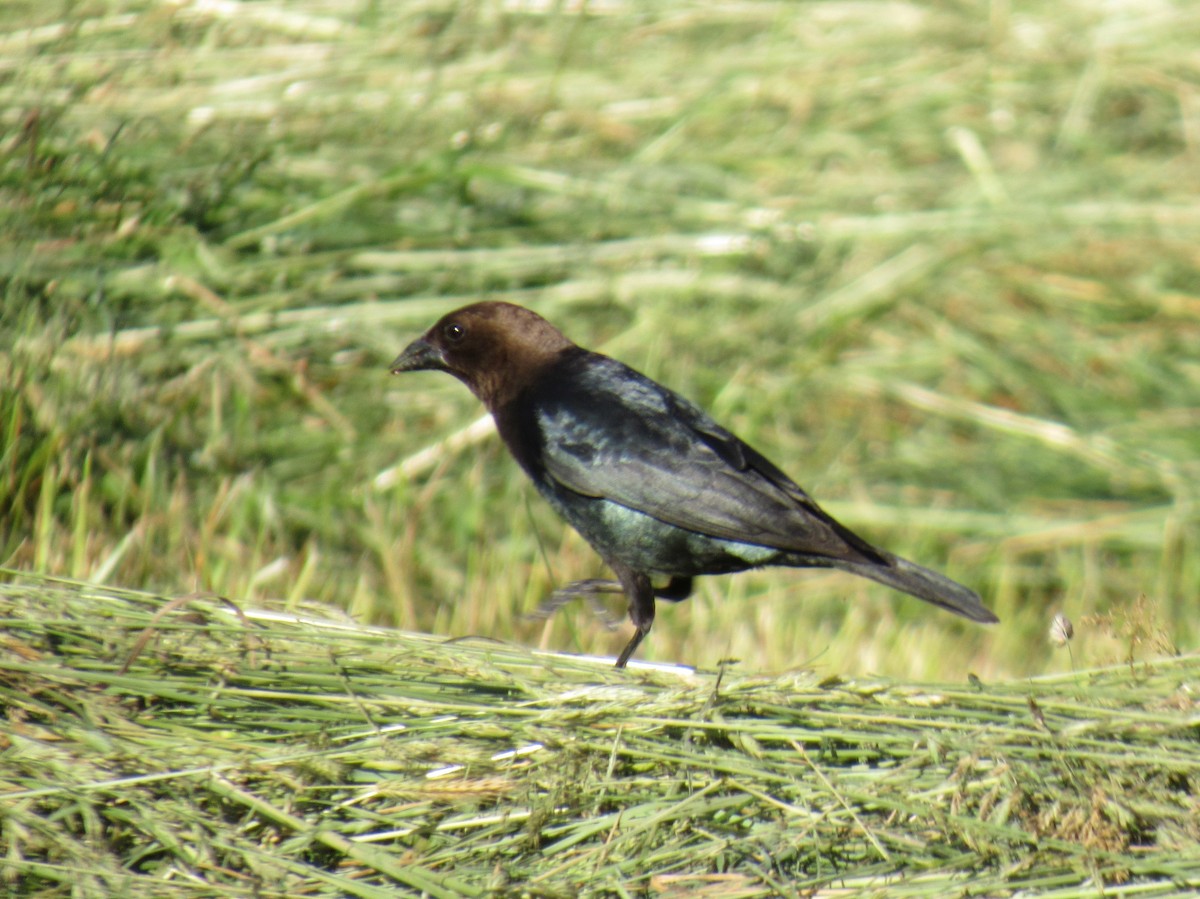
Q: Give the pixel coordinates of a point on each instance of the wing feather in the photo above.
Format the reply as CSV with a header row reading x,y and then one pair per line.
x,y
609,431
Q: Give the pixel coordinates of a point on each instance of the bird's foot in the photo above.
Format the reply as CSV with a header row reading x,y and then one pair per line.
x,y
587,591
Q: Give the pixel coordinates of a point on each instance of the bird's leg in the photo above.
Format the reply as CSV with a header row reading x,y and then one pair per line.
x,y
675,590
641,607
586,590
635,586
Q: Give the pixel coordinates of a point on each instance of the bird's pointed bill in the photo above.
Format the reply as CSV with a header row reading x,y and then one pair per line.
x,y
421,355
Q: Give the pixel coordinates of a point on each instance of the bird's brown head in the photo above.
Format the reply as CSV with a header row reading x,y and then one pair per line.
x,y
496,349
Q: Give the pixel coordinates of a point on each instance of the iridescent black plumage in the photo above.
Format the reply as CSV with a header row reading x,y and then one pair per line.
x,y
651,481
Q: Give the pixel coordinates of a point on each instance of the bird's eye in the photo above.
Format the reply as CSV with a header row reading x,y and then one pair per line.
x,y
454,332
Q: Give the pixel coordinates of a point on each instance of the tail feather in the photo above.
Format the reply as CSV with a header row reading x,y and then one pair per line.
x,y
910,578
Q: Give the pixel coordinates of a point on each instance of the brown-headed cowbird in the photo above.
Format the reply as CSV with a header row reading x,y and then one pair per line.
x,y
656,486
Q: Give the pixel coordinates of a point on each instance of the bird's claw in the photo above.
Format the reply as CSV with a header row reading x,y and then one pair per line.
x,y
585,590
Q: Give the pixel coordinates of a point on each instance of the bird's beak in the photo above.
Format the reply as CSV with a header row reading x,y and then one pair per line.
x,y
421,355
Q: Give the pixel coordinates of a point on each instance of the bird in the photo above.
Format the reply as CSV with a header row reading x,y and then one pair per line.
x,y
662,492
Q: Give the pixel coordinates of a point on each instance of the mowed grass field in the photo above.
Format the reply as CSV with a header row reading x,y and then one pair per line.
x,y
938,261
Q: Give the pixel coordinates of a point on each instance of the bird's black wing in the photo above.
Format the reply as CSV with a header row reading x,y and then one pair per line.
x,y
611,432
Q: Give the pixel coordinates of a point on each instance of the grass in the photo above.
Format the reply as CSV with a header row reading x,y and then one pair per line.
x,y
196,749
936,261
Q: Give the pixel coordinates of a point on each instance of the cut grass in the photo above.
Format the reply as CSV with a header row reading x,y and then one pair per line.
x,y
194,749
938,265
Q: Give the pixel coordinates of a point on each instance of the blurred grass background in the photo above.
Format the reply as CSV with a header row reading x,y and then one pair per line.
x,y
937,260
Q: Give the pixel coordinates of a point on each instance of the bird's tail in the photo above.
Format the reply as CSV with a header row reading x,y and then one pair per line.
x,y
922,583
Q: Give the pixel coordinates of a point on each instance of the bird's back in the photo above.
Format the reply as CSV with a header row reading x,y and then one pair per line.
x,y
609,448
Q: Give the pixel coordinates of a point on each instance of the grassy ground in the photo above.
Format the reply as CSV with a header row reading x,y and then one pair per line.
x,y
196,751
936,260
